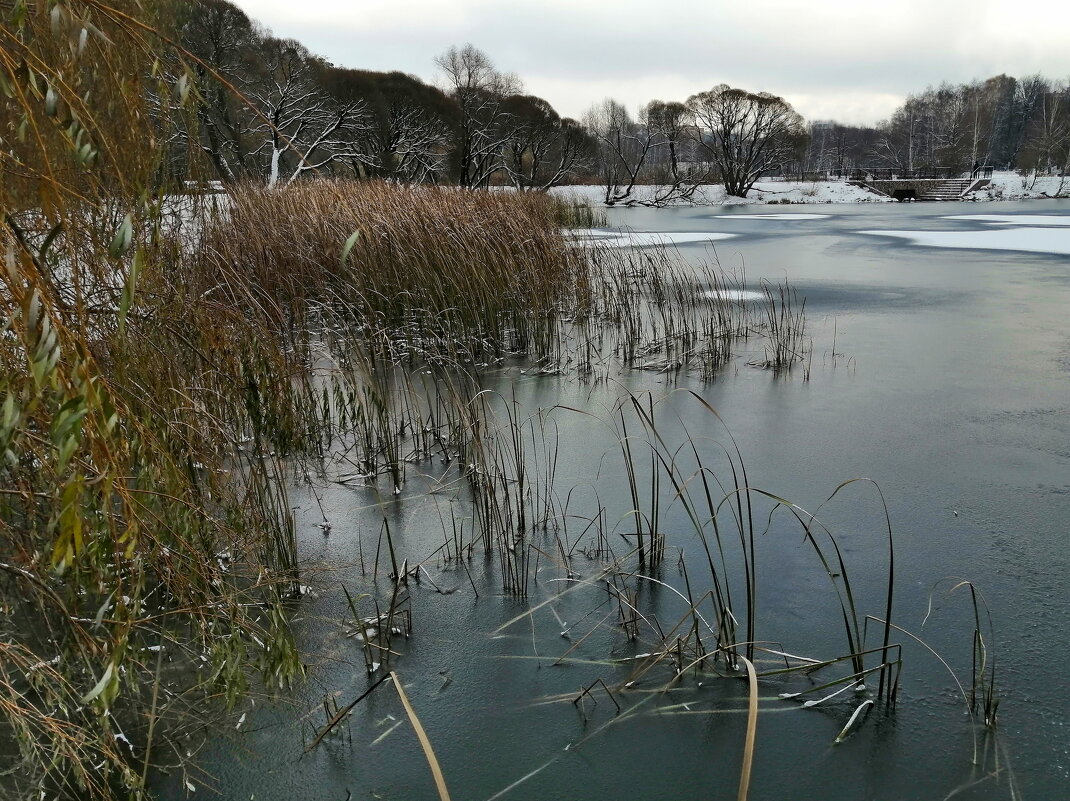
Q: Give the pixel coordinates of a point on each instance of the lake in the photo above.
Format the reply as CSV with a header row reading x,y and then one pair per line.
x,y
941,372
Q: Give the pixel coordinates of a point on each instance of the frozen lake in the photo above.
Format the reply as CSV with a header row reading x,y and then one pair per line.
x,y
941,370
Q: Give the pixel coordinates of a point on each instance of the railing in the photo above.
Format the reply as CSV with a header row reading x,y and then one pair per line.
x,y
927,173
879,174
894,173
812,176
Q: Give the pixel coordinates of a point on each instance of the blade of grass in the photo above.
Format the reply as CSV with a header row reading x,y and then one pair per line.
x,y
752,729
421,735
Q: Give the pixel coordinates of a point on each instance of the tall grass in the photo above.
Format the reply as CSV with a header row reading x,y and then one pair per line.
x,y
146,547
486,269
690,492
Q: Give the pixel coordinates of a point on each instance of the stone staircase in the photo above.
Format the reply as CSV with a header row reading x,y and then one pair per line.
x,y
951,189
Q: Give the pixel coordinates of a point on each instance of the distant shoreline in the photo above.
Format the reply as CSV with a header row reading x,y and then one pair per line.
x,y
1004,186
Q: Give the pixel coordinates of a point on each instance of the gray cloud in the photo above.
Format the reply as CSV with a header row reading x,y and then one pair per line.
x,y
850,60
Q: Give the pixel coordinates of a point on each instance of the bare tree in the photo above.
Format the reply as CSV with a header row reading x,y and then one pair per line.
x,y
299,120
898,142
410,121
484,124
543,149
630,150
669,122
222,37
746,134
414,140
623,149
670,129
836,148
1047,143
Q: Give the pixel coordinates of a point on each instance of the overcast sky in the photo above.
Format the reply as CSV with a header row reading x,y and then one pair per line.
x,y
853,60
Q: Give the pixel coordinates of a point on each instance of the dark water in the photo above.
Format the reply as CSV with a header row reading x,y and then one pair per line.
x,y
948,383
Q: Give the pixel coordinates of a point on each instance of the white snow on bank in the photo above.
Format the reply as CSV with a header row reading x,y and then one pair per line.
x,y
1006,185
1033,240
774,191
1015,219
771,192
1009,185
639,239
773,216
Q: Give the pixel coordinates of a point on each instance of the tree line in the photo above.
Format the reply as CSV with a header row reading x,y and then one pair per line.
x,y
1002,122
266,108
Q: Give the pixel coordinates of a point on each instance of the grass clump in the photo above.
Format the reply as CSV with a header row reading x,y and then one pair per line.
x,y
483,267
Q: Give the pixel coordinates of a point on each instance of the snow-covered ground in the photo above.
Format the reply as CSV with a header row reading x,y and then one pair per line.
x,y
1012,186
1004,186
767,191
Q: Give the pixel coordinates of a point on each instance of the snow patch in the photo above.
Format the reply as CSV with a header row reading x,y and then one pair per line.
x,y
768,191
639,239
733,294
1014,219
1032,240
1009,185
774,216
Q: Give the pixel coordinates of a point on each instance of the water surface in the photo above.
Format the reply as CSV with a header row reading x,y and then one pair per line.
x,y
941,373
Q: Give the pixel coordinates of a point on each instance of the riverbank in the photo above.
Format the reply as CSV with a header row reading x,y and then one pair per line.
x,y
770,191
1006,185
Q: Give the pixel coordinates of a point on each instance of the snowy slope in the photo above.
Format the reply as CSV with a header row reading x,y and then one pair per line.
x,y
767,191
1004,186
1012,186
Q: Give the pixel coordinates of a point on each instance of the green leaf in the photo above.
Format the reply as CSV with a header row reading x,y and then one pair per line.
x,y
9,413
123,237
349,245
128,290
99,618
68,418
51,101
69,540
66,451
101,685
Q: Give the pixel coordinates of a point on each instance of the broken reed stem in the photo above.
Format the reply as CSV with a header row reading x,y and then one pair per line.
x,y
341,713
425,743
752,730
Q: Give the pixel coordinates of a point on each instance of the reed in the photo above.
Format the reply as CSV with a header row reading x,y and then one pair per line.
x,y
784,327
146,543
484,269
